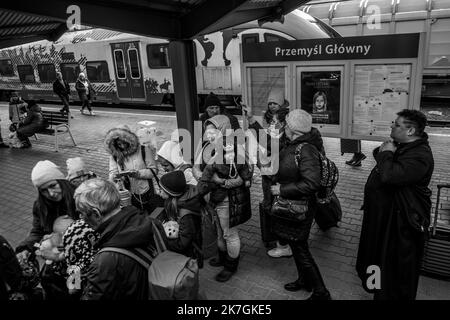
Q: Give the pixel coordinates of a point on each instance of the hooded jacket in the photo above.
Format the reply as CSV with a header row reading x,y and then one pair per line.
x,y
397,204
111,275
299,183
171,151
130,159
190,230
34,118
233,120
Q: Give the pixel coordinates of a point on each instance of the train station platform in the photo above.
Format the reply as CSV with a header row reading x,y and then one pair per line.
x,y
259,277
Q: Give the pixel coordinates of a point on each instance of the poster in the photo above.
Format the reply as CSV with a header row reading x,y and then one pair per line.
x,y
321,95
379,92
262,81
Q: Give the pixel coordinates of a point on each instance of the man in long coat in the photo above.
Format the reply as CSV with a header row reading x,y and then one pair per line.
x,y
397,208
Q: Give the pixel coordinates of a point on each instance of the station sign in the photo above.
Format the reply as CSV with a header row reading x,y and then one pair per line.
x,y
350,48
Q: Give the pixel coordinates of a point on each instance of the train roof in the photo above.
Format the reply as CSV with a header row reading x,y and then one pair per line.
x,y
297,24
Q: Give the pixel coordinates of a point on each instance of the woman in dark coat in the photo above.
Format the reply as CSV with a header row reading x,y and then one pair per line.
x,y
55,199
397,204
85,92
33,123
300,182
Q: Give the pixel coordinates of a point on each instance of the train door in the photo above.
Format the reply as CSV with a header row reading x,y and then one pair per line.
x,y
127,63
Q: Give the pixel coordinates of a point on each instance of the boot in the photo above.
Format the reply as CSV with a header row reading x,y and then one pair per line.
x,y
229,269
320,292
357,163
218,261
297,285
350,162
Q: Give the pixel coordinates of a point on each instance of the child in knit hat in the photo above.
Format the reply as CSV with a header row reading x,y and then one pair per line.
x,y
77,172
78,242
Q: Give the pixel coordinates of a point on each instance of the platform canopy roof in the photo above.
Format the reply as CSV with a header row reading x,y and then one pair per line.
x,y
23,21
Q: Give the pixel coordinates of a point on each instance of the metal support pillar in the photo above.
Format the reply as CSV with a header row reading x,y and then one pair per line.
x,y
181,55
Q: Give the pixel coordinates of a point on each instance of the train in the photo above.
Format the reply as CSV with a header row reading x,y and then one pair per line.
x,y
135,70
376,17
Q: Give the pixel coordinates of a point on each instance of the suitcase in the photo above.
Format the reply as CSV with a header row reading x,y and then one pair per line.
x,y
264,219
436,258
350,146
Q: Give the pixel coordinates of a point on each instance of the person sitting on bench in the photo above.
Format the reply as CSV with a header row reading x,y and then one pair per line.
x,y
33,123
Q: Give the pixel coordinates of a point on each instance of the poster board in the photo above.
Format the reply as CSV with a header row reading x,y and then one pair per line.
x,y
364,81
379,92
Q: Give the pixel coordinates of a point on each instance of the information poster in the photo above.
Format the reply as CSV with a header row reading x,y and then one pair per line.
x,y
380,91
321,95
262,81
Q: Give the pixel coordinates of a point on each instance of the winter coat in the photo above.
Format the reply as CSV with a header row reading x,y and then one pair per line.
x,y
190,229
299,183
114,276
45,213
33,122
60,89
83,92
132,159
396,217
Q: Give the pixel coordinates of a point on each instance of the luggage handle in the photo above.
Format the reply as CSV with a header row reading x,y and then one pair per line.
x,y
436,211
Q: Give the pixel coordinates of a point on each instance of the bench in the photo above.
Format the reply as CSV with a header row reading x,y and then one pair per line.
x,y
58,124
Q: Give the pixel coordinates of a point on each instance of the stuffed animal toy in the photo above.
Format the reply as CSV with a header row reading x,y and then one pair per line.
x,y
171,229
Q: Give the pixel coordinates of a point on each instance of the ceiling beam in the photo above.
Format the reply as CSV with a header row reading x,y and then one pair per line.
x,y
290,5
121,18
6,43
207,14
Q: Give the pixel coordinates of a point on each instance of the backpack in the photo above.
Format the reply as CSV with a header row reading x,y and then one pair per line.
x,y
171,276
329,175
208,247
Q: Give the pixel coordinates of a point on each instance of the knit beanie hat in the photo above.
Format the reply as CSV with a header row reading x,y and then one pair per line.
x,y
45,171
79,244
75,168
299,121
276,95
174,183
212,100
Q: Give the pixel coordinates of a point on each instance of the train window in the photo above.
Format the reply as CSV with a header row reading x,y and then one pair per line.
x,y
46,72
97,71
133,58
120,64
70,71
6,68
158,55
270,37
26,73
250,38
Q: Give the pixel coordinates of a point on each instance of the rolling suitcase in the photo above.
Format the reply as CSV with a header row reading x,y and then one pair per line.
x,y
436,258
264,219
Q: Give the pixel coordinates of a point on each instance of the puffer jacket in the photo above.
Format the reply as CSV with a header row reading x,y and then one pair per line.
x,y
34,119
299,183
111,275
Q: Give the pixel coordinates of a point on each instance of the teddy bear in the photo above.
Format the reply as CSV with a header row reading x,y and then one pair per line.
x,y
171,228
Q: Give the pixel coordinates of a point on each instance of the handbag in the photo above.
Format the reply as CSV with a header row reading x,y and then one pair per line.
x,y
290,209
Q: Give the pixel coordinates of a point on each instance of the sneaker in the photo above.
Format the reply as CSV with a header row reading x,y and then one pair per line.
x,y
92,113
280,251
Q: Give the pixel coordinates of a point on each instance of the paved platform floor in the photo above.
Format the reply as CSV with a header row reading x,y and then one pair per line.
x,y
259,276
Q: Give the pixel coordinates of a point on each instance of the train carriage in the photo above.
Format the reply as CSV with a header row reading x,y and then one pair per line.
x,y
131,69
